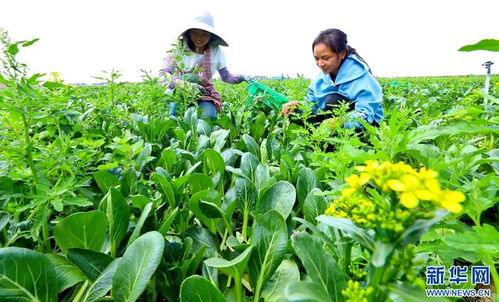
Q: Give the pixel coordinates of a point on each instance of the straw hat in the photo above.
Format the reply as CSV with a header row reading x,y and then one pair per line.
x,y
204,21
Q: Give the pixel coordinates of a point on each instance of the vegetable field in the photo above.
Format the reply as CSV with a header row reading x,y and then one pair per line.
x,y
105,197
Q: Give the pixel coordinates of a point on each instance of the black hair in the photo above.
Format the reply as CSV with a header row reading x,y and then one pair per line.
x,y
336,40
214,40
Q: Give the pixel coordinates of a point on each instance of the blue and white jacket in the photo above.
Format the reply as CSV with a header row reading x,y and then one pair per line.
x,y
356,83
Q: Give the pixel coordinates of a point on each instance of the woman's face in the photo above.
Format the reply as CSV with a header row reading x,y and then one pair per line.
x,y
327,60
199,37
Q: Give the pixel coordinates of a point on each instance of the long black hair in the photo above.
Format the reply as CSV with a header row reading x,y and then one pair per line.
x,y
336,40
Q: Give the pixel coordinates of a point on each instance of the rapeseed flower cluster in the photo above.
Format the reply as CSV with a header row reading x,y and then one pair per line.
x,y
355,293
365,213
411,186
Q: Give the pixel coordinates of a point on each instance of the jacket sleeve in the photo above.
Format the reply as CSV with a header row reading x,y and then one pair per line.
x,y
227,77
167,75
168,66
367,97
310,94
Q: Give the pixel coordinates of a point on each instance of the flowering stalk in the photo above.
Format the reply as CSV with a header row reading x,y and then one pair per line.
x,y
384,197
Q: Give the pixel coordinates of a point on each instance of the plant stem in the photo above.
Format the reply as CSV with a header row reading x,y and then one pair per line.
x,y
80,293
259,284
347,254
224,238
245,220
375,280
238,287
45,234
29,146
495,276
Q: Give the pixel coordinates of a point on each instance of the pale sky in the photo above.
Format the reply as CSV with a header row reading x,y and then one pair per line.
x,y
79,39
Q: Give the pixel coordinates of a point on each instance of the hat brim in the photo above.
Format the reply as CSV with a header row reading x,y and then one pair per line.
x,y
215,39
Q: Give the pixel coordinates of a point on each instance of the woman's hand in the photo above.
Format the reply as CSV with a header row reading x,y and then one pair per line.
x,y
289,107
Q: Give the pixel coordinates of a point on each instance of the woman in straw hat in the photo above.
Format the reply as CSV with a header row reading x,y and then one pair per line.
x,y
203,40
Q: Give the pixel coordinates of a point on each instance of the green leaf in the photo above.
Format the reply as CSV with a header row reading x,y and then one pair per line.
x,y
286,273
203,128
280,197
167,222
350,229
262,176
201,238
381,252
214,161
258,126
199,182
409,293
89,262
13,49
210,209
105,180
307,292
103,283
483,239
252,146
234,267
305,183
53,85
244,193
140,223
315,205
4,219
198,289
320,265
166,188
249,162
139,201
29,43
67,274
168,160
209,195
218,139
270,240
425,132
128,183
86,230
421,226
144,157
485,44
137,266
117,212
191,117
26,275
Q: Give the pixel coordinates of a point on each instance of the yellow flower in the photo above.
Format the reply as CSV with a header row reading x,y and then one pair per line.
x,y
424,194
411,186
409,200
424,173
370,166
401,167
356,181
451,200
432,184
396,185
347,192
